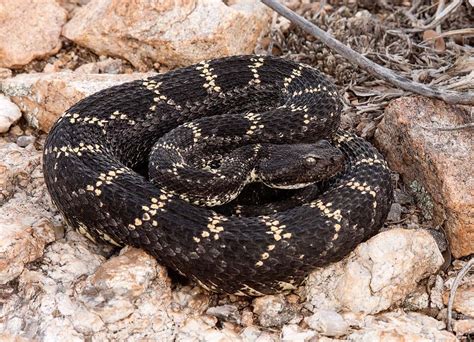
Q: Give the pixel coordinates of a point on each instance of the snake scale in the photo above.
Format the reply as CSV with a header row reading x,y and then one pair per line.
x,y
96,161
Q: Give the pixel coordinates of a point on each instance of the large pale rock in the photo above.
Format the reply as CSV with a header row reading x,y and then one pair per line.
x,y
9,113
377,274
442,162
28,30
173,33
401,327
44,97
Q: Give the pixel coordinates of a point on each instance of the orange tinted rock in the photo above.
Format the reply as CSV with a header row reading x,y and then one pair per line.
x,y
173,33
28,30
442,162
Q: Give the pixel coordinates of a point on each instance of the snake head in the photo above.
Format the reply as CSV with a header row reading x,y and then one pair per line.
x,y
299,165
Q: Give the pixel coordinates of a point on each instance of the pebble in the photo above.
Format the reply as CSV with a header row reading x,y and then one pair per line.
x,y
25,140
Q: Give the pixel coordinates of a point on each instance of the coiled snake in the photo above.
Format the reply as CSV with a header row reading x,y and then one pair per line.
x,y
96,161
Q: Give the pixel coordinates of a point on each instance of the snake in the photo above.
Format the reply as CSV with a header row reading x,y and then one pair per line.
x,y
148,163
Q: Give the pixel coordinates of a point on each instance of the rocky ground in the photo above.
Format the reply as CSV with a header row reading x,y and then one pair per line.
x,y
55,284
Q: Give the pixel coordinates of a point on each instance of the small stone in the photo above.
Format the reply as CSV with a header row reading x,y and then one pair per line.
x,y
247,318
273,311
9,113
417,301
293,333
225,312
395,213
5,73
328,323
25,140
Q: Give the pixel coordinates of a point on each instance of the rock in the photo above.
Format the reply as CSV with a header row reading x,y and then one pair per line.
x,y
106,66
112,290
434,163
252,334
5,73
377,274
400,326
464,299
202,329
273,311
328,323
44,97
225,312
20,43
464,327
20,168
9,113
25,140
293,333
141,34
22,240
417,300
395,213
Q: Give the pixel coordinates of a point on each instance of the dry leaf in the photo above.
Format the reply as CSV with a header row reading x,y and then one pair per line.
x,y
434,38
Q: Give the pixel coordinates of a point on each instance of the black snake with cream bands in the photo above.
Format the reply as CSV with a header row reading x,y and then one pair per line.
x,y
150,163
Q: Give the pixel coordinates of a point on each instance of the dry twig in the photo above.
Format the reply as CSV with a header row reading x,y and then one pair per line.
x,y
366,64
454,288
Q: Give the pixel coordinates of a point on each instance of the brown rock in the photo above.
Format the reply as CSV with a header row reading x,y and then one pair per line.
x,y
28,30
437,164
169,32
44,97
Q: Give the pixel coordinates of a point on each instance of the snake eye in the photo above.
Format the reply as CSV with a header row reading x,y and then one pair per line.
x,y
310,160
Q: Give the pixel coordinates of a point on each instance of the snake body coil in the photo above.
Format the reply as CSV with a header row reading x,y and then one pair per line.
x,y
94,151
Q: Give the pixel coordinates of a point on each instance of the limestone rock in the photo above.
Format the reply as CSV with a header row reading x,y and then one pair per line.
x,y
9,113
168,33
28,30
434,163
44,97
400,326
377,274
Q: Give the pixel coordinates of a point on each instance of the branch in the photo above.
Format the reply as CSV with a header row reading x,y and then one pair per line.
x,y
376,70
454,288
